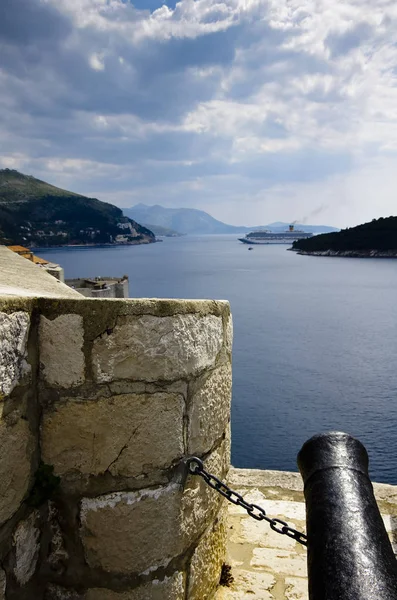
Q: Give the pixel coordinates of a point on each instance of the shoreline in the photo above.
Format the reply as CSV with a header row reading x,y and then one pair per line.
x,y
36,248
348,253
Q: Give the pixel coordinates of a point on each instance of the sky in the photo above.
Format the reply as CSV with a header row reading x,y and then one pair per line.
x,y
252,110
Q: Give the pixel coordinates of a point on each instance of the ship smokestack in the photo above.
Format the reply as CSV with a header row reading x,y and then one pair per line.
x,y
291,227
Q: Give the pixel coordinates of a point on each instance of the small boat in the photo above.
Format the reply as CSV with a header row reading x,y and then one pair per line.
x,y
250,248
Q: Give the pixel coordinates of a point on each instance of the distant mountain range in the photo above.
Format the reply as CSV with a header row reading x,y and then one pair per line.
x,y
194,222
35,213
181,220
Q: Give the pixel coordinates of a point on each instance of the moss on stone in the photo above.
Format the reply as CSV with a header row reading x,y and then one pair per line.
x,y
10,304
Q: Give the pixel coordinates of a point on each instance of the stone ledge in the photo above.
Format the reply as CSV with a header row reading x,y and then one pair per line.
x,y
156,307
20,277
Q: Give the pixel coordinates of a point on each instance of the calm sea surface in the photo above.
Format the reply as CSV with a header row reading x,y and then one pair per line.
x,y
315,339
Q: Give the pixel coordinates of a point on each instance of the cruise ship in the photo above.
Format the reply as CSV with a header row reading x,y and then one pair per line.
x,y
270,237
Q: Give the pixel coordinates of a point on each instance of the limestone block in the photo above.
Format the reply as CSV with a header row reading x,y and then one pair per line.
x,y
229,334
61,350
170,588
283,509
132,532
209,411
280,561
390,523
200,503
14,331
257,533
126,435
280,484
26,542
154,348
207,561
16,449
296,589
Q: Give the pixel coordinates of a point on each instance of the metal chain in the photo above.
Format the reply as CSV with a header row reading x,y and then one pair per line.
x,y
196,467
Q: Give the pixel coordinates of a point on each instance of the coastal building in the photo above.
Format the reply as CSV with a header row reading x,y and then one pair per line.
x,y
101,287
98,287
52,268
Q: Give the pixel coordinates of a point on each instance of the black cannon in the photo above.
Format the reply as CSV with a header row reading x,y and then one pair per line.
x,y
349,553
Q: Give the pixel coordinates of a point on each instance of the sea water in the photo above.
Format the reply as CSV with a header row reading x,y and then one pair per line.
x,y
315,338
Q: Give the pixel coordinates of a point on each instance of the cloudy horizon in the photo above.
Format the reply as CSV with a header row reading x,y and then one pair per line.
x,y
252,110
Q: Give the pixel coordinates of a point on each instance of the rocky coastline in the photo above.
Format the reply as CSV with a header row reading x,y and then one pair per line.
x,y
349,253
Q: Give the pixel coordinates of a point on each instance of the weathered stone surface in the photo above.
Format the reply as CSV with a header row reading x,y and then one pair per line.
x,y
3,582
199,504
157,348
126,435
170,588
284,480
229,334
209,410
61,350
57,555
130,532
257,534
248,585
57,592
26,541
22,278
14,331
16,449
207,560
280,561
296,589
278,508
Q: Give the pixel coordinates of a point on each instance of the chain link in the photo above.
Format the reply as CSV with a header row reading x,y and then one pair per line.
x,y
196,467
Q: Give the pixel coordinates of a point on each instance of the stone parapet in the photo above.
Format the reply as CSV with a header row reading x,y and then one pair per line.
x,y
102,402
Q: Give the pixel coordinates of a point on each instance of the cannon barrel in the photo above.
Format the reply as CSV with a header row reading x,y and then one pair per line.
x,y
350,556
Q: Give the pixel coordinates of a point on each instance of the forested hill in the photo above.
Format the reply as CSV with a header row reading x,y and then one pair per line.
x,y
378,236
35,213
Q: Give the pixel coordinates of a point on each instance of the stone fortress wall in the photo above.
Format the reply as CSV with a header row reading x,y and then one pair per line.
x,y
101,287
101,402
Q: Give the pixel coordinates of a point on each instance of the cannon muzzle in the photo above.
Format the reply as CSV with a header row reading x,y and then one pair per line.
x,y
350,556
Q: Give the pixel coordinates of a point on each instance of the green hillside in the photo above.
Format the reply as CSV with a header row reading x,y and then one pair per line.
x,y
35,213
378,235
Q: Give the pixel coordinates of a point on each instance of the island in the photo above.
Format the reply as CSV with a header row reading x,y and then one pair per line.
x,y
34,213
377,239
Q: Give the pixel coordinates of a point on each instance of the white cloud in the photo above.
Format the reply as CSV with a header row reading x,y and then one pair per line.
x,y
96,62
245,107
